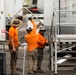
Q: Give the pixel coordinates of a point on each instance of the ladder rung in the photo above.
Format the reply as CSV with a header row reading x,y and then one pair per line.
x,y
66,65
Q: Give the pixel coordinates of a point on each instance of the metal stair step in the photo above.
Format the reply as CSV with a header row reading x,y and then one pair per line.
x,y
68,51
66,44
67,65
66,57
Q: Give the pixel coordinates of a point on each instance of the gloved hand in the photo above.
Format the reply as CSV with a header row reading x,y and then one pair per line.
x,y
24,44
46,44
30,18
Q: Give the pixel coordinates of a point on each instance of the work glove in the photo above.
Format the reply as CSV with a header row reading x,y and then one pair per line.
x,y
30,18
46,44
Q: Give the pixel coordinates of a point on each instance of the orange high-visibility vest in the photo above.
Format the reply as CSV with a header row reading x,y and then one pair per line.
x,y
31,38
13,32
41,40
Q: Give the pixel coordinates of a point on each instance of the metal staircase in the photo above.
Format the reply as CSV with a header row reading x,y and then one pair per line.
x,y
61,50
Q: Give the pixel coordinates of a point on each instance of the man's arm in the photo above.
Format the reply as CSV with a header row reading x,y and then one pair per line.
x,y
12,43
38,25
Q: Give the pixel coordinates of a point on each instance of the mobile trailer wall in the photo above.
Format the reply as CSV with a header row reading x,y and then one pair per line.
x,y
65,17
40,5
2,21
8,8
68,5
12,7
48,11
46,7
68,17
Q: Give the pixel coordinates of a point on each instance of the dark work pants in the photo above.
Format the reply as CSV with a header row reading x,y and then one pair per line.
x,y
13,60
40,57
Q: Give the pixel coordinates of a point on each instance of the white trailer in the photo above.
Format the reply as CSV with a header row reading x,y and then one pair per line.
x,y
8,8
12,7
2,21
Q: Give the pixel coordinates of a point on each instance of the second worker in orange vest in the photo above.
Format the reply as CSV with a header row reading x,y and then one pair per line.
x,y
41,41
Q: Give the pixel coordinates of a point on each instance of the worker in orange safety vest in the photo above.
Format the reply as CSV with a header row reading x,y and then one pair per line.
x,y
42,42
13,44
31,40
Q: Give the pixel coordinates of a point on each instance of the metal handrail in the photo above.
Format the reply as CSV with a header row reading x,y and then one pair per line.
x,y
13,16
18,12
25,21
32,14
23,24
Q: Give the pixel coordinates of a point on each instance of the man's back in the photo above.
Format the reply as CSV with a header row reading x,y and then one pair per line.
x,y
14,34
31,38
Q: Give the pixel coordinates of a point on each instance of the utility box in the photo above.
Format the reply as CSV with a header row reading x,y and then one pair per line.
x,y
2,63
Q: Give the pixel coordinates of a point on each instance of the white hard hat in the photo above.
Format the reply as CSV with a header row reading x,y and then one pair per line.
x,y
42,28
28,28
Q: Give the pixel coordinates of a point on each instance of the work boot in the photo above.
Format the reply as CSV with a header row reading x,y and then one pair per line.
x,y
15,74
40,71
35,71
12,73
30,72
